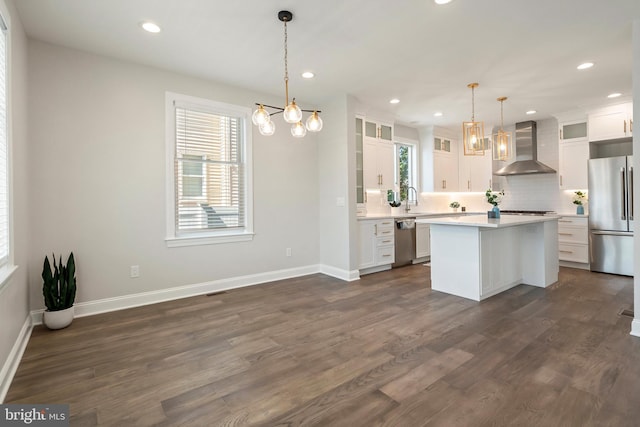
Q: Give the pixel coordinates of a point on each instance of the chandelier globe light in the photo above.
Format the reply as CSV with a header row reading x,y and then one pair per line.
x,y
473,132
291,112
502,141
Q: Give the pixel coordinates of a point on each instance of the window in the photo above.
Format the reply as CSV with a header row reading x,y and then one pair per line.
x,y
208,172
4,151
405,168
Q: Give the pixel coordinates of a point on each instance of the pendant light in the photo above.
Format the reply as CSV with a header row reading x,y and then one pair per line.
x,y
291,112
473,132
502,141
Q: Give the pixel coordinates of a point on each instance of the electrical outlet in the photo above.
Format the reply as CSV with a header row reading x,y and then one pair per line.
x,y
288,251
135,271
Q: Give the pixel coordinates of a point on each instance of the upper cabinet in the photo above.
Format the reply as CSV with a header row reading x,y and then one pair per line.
x,y
438,160
573,153
475,172
612,122
573,131
378,130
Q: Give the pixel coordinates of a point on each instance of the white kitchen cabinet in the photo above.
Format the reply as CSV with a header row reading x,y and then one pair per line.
x,y
423,241
573,239
378,130
574,158
376,244
445,172
573,131
378,167
359,138
611,123
475,172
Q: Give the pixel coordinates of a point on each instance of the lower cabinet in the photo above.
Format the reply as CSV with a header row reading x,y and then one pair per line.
x,y
376,243
423,241
573,239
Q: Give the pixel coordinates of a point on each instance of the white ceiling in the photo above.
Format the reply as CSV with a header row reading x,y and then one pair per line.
x,y
375,50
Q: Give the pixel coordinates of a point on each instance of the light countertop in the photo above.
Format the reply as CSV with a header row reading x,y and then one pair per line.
x,y
482,220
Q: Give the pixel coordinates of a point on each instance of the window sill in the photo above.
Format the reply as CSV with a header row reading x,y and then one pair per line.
x,y
199,240
6,272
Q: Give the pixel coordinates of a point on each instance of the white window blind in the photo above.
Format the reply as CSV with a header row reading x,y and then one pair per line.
x,y
4,150
209,175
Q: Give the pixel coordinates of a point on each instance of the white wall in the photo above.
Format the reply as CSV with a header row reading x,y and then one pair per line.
x,y
97,182
635,329
14,305
336,178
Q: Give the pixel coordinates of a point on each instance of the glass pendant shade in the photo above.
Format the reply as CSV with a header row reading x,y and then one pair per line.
x,y
473,138
314,122
260,116
502,145
267,128
298,130
502,141
292,113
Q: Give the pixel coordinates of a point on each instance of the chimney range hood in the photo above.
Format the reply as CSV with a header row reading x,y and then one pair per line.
x,y
526,153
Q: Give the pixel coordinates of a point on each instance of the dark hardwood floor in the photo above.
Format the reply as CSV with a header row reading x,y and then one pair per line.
x,y
385,350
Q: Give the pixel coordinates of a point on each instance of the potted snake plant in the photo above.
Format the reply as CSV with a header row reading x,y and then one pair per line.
x,y
59,291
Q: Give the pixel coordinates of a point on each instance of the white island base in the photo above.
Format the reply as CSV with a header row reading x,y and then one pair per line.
x,y
475,257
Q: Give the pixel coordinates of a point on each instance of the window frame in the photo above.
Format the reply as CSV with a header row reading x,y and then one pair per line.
x,y
8,267
213,236
413,163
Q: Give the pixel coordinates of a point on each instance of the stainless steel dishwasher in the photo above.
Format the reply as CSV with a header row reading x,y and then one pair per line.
x,y
405,241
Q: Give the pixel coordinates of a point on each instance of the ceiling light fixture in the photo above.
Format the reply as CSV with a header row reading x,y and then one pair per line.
x,y
440,2
585,65
437,114
502,141
308,75
394,101
614,95
291,112
530,112
150,27
473,132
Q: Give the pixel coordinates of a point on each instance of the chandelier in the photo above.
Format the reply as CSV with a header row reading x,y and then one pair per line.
x,y
502,141
473,132
291,112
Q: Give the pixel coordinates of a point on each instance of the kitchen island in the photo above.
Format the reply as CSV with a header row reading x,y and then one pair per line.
x,y
476,257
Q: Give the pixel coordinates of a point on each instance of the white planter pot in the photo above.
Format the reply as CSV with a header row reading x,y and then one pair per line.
x,y
58,319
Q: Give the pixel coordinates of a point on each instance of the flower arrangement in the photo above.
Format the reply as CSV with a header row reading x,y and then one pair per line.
x,y
494,197
454,205
579,198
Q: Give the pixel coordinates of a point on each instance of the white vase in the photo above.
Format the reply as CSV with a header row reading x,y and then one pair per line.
x,y
58,319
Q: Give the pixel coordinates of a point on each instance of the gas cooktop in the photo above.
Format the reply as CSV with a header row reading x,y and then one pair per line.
x,y
513,212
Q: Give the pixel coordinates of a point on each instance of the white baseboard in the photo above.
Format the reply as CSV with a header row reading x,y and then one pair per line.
x,y
13,361
635,327
339,273
145,298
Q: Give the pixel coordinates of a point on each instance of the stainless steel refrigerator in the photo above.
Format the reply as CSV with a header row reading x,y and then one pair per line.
x,y
611,215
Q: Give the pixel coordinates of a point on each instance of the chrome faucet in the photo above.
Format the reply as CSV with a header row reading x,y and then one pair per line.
x,y
415,192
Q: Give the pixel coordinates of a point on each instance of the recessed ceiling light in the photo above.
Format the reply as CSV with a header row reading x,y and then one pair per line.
x,y
585,65
442,1
394,101
614,95
530,112
437,114
308,75
150,27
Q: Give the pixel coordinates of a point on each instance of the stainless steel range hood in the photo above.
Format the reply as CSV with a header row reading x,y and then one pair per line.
x,y
526,153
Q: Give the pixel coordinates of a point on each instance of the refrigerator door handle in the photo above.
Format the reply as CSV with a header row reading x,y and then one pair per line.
x,y
623,194
612,233
630,193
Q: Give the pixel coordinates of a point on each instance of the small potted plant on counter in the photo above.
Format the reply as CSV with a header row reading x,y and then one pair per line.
x,y
494,198
579,198
454,206
59,290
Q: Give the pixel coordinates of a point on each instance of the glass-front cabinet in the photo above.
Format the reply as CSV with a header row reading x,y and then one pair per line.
x,y
377,130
